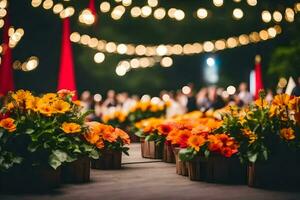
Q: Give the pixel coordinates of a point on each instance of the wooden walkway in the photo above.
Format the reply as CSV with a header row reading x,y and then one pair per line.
x,y
149,179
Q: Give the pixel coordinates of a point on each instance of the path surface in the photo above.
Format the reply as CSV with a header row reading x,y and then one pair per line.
x,y
156,180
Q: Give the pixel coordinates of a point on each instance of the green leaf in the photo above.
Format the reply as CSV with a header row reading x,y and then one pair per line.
x,y
206,153
61,156
71,159
252,157
54,162
94,154
29,131
32,147
1,133
186,154
265,154
139,133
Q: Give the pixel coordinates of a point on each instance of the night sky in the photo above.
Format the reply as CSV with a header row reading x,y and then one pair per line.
x,y
43,37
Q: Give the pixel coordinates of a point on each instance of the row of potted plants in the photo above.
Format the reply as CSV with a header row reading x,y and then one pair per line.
x,y
258,143
143,109
45,140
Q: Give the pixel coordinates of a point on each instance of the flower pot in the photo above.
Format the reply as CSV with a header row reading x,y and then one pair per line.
x,y
200,169
108,160
181,166
77,171
168,154
151,149
36,179
227,170
277,172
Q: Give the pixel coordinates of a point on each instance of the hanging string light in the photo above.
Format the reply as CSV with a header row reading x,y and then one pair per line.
x,y
30,64
174,49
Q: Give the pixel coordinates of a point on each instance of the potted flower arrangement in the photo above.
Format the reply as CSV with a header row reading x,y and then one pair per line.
x,y
210,156
111,143
268,134
117,118
151,141
145,109
38,135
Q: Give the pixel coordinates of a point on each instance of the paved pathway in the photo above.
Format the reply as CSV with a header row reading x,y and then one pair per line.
x,y
156,180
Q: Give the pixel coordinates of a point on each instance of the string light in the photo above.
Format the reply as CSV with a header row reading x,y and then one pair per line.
x,y
86,17
30,64
176,49
218,3
238,13
14,36
202,13
105,7
99,57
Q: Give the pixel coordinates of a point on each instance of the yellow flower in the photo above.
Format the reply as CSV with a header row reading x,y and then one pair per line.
x,y
21,96
8,124
49,97
32,104
61,106
10,106
287,133
45,109
282,100
71,127
154,108
251,135
261,103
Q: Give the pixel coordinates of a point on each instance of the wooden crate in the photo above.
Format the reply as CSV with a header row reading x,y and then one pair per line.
x,y
280,173
77,171
217,169
108,160
151,149
31,179
168,154
181,166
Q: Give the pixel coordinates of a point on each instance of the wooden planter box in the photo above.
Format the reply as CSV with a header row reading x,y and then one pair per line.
x,y
217,169
168,154
181,166
151,150
200,169
108,160
30,179
276,173
77,171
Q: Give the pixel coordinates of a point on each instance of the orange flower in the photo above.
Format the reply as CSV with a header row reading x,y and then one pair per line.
x,y
92,137
77,103
164,129
71,127
228,152
8,124
65,93
61,106
196,142
100,144
287,133
123,135
109,134
182,138
215,144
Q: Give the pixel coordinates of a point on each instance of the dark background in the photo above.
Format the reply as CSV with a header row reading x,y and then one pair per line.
x,y
43,37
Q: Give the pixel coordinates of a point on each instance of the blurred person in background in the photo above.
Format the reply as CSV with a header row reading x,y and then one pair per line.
x,y
215,100
191,99
110,100
244,95
202,99
269,96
